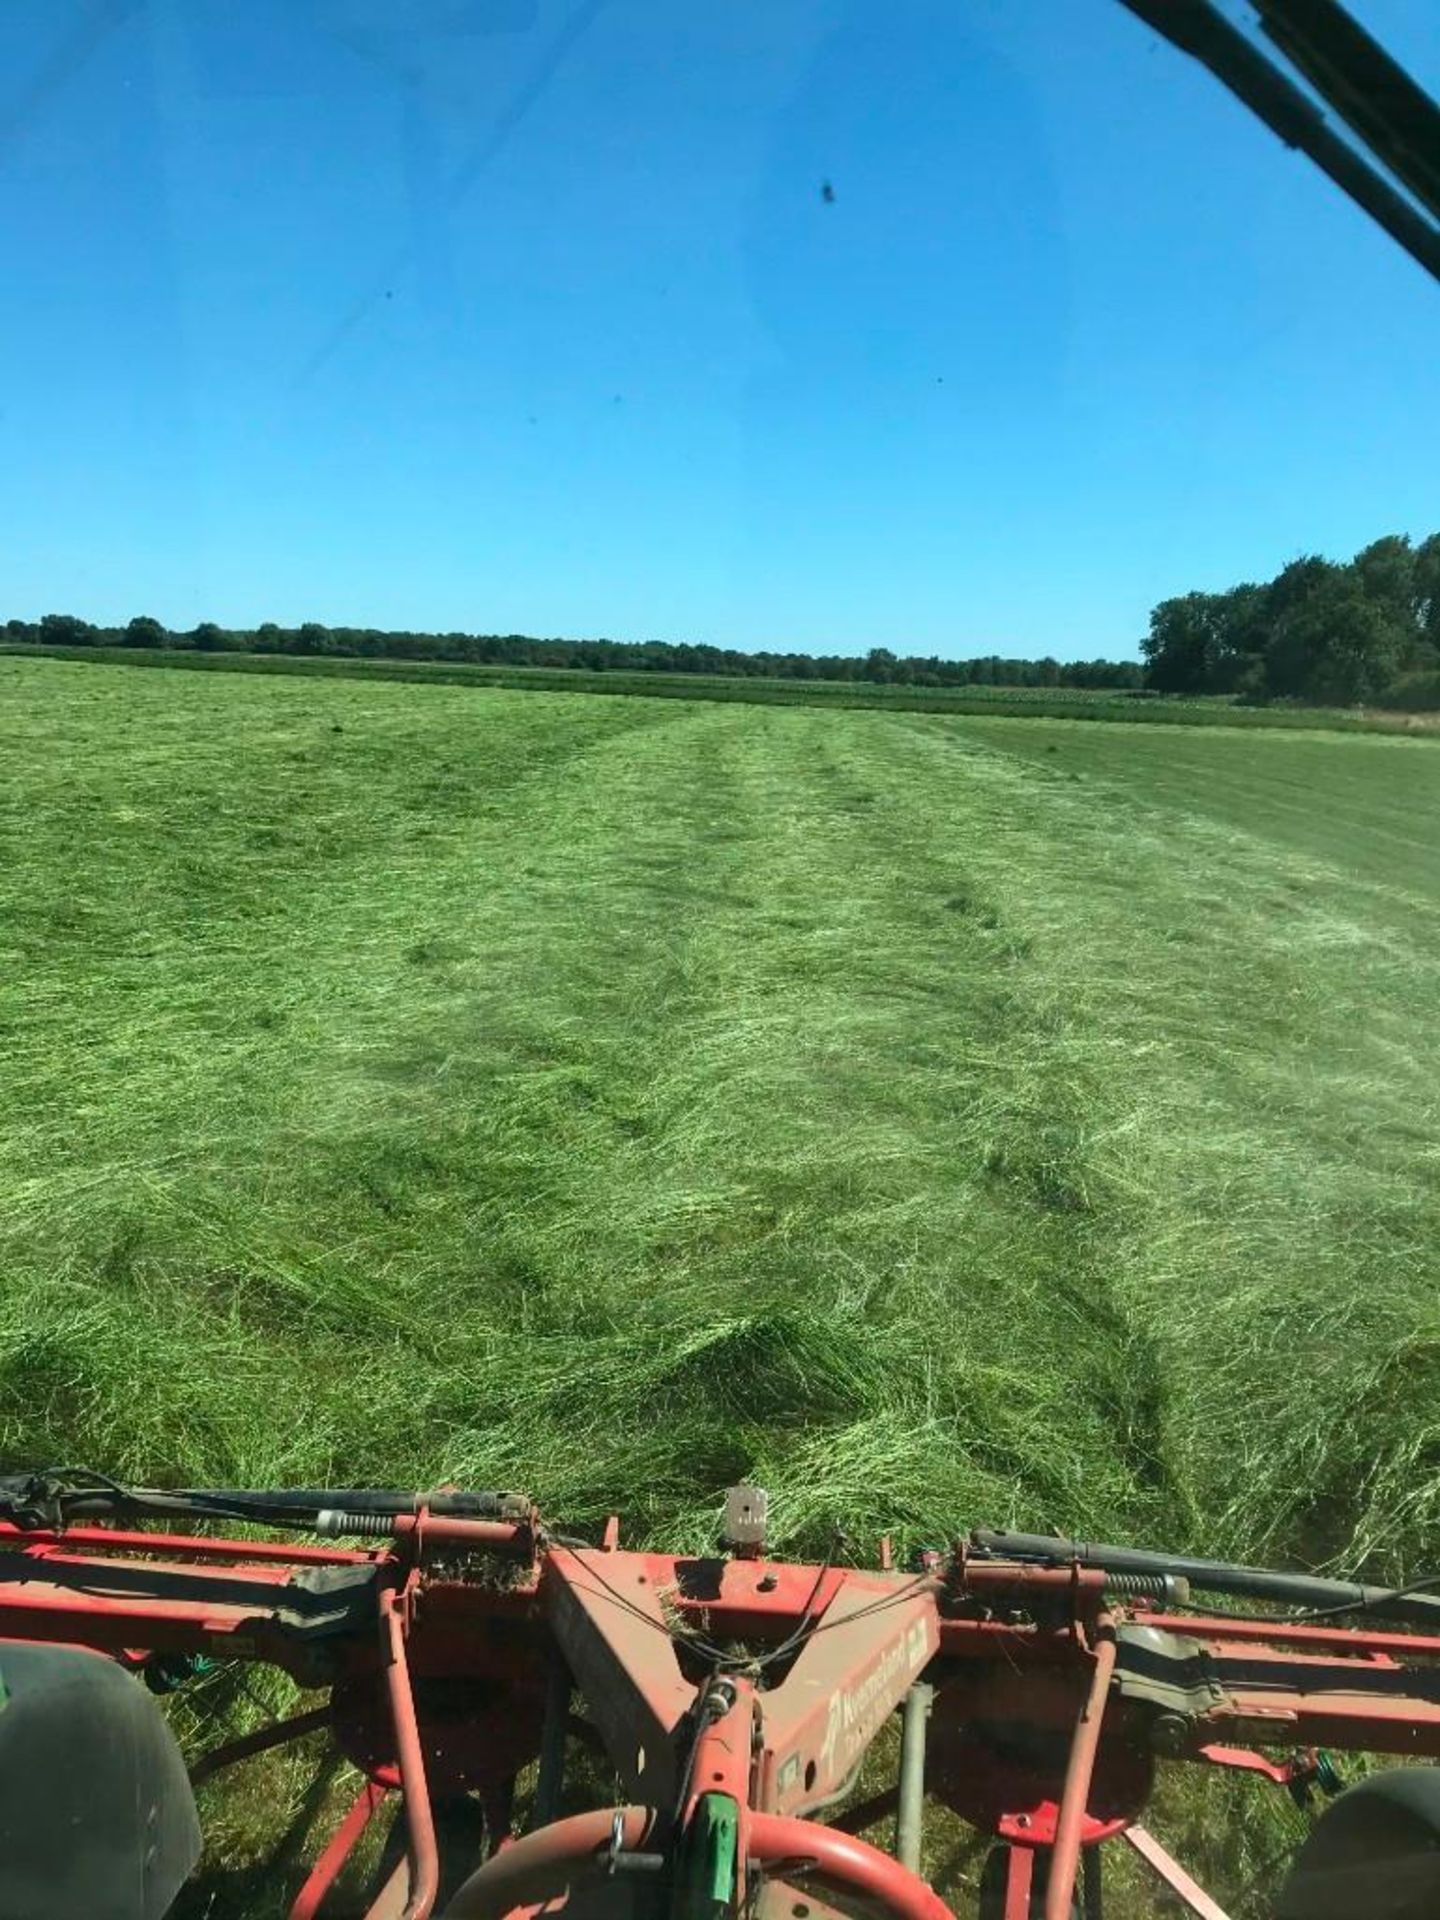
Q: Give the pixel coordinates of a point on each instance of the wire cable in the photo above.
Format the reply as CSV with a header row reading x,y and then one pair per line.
x,y
1367,1604
728,1662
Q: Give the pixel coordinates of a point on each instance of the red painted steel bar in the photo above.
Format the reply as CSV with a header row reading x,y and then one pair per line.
x,y
279,1734
1352,1721
419,1816
52,1563
1285,1633
38,1540
722,1766
782,1844
487,1536
338,1849
540,1865
989,1576
1168,1869
1065,1855
46,1612
1242,1760
1019,1877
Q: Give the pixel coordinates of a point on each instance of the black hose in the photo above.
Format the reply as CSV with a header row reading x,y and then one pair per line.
x,y
370,1500
55,1496
1217,1576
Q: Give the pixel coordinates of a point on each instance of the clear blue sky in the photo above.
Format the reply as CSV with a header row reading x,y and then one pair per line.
x,y
531,315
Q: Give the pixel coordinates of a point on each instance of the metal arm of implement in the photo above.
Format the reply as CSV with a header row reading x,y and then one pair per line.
x,y
733,1696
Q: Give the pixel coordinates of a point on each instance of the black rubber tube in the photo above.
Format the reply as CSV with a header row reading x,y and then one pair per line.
x,y
1212,1576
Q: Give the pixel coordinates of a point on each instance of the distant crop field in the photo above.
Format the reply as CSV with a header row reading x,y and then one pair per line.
x,y
939,1119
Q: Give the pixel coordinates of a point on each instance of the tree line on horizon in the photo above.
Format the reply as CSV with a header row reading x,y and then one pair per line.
x,y
1324,632
880,664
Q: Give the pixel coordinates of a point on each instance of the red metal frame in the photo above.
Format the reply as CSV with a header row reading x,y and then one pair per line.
x,y
1189,1892
342,1843
1079,1772
1019,1878
317,1720
424,1854
760,1681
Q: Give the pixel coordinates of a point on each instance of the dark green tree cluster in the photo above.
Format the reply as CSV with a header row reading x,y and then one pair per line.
x,y
518,649
1322,632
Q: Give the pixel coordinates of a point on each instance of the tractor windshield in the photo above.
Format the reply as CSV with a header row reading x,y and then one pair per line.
x,y
719,956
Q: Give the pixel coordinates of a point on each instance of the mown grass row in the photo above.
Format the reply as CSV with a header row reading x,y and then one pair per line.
x,y
1074,703
939,1120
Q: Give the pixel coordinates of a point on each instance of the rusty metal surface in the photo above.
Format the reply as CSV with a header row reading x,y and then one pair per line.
x,y
847,1680
438,1648
613,1632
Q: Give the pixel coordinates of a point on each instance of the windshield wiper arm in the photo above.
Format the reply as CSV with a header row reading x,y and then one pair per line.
x,y
1201,30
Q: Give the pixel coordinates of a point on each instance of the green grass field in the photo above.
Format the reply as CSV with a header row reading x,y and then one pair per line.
x,y
1078,703
940,1119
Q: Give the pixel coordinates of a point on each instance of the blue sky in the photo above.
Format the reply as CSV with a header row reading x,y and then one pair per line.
x,y
531,315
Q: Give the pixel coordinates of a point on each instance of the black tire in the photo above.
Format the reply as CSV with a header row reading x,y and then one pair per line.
x,y
97,1816
1375,1851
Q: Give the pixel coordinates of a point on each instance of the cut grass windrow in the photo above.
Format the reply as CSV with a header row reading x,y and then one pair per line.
x,y
939,1120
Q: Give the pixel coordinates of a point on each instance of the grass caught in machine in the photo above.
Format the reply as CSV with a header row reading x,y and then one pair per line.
x,y
939,1119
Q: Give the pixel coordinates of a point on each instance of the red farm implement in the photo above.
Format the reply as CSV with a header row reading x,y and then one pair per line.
x,y
468,1657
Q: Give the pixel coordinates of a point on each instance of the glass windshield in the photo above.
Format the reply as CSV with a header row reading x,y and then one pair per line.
x,y
719,769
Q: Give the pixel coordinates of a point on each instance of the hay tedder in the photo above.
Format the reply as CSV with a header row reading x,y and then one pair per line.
x,y
543,1722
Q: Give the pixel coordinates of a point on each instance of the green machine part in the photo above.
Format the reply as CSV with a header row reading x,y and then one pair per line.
x,y
705,1875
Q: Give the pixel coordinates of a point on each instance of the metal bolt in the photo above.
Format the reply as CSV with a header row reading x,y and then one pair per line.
x,y
1170,1733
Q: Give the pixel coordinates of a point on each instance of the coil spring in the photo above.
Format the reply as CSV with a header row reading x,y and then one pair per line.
x,y
360,1526
1145,1586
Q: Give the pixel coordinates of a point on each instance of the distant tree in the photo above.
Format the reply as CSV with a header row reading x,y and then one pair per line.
x,y
1296,582
1183,649
1298,604
1335,645
1284,636
142,631
66,630
1413,693
1385,571
1426,580
1317,631
1242,632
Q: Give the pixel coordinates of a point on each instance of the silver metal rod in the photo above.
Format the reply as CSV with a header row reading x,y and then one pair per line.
x,y
910,1819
